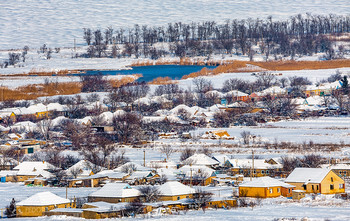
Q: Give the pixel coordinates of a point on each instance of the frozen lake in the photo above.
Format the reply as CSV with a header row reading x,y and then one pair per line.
x,y
58,22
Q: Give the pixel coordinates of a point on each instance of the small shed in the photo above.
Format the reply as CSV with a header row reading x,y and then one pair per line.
x,y
298,194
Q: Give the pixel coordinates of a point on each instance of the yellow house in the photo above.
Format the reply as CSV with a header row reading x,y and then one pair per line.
x,y
316,180
262,167
115,193
37,204
265,187
173,190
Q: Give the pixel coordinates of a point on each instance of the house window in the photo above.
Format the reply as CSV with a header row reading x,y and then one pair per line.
x,y
304,186
341,186
313,187
178,198
254,171
278,190
331,179
332,187
271,190
317,187
288,190
344,173
267,172
262,172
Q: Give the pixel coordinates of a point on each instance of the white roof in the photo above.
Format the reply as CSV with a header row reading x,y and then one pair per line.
x,y
221,158
116,190
43,199
202,171
174,188
55,107
105,207
30,165
340,166
307,175
84,166
200,159
315,100
258,164
37,108
137,166
236,93
265,182
34,168
215,93
272,90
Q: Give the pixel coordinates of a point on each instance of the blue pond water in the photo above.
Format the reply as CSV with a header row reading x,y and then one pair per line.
x,y
151,72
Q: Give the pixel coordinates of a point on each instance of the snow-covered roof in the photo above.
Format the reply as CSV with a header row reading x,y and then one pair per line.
x,y
315,100
340,166
43,199
174,188
221,158
83,166
105,207
37,108
258,164
215,93
200,159
195,170
107,116
138,167
265,182
35,168
236,93
307,175
116,190
55,107
272,90
30,165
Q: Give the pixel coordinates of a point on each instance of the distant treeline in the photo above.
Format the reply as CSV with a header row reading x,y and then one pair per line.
x,y
299,35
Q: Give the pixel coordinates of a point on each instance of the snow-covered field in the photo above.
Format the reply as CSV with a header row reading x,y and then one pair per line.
x,y
322,208
58,22
318,130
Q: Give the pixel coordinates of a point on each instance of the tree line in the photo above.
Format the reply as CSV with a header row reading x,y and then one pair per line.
x,y
299,35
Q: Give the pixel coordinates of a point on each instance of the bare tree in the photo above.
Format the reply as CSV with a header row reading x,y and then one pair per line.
x,y
186,153
149,194
167,150
44,127
246,135
201,198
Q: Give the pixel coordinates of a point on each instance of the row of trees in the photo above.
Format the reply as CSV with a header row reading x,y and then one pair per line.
x,y
301,34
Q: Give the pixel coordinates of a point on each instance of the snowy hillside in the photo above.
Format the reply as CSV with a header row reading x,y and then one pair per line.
x,y
58,22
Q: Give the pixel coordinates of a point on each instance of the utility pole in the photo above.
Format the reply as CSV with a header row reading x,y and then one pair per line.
x,y
191,177
252,169
144,158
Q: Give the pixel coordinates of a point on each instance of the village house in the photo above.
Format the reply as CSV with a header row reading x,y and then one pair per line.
x,y
200,160
115,193
173,191
37,204
316,180
265,187
29,170
259,168
195,175
341,169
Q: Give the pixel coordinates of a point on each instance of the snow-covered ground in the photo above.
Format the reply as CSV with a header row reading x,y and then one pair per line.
x,y
322,208
318,130
57,23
